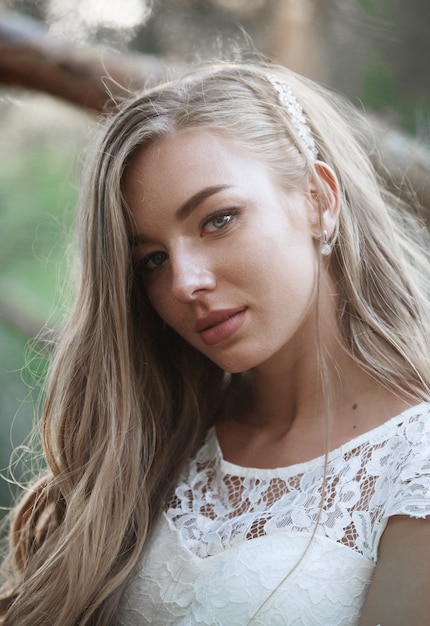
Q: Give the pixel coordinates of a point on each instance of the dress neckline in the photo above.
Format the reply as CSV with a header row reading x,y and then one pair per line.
x,y
234,469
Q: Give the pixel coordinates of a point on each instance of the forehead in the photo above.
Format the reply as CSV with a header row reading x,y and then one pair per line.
x,y
180,165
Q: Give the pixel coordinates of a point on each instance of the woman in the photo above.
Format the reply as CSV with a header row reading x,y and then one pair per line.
x,y
236,423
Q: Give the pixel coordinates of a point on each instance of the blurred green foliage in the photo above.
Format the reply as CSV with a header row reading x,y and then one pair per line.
x,y
37,197
376,9
396,73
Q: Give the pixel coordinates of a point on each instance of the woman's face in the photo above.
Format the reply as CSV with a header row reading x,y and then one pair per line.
x,y
227,256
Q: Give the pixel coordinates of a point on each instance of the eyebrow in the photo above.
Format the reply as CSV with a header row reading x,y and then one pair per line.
x,y
197,199
185,209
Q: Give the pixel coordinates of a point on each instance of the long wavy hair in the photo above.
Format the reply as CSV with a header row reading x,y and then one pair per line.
x,y
127,400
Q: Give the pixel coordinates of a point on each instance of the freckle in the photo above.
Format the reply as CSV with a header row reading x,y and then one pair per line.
x,y
355,426
354,406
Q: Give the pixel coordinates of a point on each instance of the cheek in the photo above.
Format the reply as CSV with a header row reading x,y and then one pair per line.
x,y
291,284
166,306
157,297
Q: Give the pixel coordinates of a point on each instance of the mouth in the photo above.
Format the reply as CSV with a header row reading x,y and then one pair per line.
x,y
214,318
220,325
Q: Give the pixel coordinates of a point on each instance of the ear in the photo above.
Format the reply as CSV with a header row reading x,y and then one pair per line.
x,y
325,199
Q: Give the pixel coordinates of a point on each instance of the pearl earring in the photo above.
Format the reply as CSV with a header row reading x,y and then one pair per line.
x,y
326,246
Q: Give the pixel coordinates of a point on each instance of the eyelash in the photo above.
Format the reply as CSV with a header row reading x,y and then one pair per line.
x,y
143,264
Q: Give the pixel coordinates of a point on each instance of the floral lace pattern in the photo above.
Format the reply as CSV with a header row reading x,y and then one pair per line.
x,y
219,504
235,545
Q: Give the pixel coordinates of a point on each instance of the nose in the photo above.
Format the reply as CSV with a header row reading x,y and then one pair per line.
x,y
190,277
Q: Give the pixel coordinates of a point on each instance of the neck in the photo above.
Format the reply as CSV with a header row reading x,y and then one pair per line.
x,y
292,385
277,422
283,394
308,398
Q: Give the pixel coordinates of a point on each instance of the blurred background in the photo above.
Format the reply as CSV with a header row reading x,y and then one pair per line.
x,y
376,52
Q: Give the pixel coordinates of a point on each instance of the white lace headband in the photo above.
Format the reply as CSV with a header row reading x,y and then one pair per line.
x,y
295,111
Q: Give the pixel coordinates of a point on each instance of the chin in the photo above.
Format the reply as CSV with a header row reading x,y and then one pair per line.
x,y
236,365
231,366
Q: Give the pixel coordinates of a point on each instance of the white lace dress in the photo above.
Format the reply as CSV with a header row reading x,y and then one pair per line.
x,y
242,546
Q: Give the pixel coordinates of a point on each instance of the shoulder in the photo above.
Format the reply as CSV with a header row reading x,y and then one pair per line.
x,y
394,445
408,431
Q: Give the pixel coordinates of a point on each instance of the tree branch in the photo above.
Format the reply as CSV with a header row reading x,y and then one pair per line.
x,y
89,78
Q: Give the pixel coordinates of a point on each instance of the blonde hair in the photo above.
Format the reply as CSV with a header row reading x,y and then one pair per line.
x,y
128,401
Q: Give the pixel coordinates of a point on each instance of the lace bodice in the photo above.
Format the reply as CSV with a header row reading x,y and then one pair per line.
x,y
241,546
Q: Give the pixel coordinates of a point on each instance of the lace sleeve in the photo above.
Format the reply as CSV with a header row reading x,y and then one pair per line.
x,y
409,493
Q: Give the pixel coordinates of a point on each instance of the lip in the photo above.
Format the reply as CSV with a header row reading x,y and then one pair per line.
x,y
220,325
